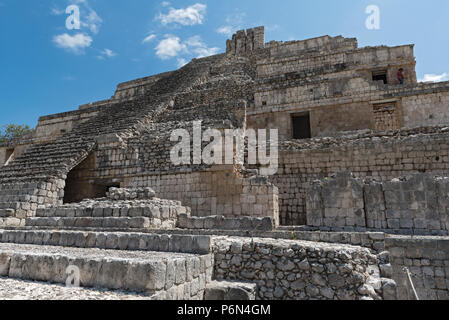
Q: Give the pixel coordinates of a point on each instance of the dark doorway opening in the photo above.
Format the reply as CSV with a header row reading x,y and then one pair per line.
x,y
380,75
301,126
81,182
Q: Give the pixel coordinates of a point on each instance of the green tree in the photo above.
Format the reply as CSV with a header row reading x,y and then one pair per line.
x,y
12,131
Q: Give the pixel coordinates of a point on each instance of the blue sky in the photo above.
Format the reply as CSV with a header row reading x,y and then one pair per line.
x,y
46,68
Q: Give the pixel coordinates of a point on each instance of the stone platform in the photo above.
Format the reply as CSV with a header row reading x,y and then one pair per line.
x,y
107,213
136,271
16,289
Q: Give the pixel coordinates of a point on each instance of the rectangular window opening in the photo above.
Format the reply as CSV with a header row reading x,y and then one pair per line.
x,y
301,126
380,75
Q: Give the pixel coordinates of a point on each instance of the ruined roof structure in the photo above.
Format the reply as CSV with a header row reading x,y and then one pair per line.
x,y
363,166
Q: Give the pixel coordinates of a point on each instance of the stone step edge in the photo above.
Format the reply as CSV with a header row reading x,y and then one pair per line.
x,y
193,244
159,212
133,275
225,223
11,222
94,222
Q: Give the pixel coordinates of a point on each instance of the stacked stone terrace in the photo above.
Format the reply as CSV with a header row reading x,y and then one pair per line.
x,y
366,169
41,170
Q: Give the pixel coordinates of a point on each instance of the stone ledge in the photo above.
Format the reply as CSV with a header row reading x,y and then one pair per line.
x,y
111,269
194,244
223,223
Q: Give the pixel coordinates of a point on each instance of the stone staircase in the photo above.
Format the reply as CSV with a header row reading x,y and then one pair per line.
x,y
155,266
103,213
117,242
37,176
118,265
109,244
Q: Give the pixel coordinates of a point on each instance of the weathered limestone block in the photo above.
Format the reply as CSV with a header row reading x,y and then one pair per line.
x,y
5,261
427,259
415,204
374,205
227,290
298,270
336,202
131,193
245,42
223,223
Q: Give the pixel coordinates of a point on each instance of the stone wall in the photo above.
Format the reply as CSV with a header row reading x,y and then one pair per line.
x,y
212,193
416,204
351,100
356,59
280,49
52,126
223,223
131,89
336,202
23,199
428,262
150,213
383,156
324,121
297,270
10,152
426,110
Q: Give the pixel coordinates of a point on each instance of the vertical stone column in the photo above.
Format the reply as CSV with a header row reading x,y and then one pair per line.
x,y
245,42
259,38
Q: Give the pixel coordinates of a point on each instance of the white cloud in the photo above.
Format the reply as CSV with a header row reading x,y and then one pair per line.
x,y
233,23
194,41
149,38
57,11
93,21
89,20
435,77
182,62
273,27
226,30
198,47
108,53
170,47
88,16
75,44
165,3
187,17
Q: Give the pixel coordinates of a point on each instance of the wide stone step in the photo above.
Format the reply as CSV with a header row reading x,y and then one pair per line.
x,y
225,223
136,271
159,211
89,222
17,289
197,244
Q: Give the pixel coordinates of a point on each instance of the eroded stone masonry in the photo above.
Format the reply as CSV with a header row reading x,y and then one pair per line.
x,y
360,194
